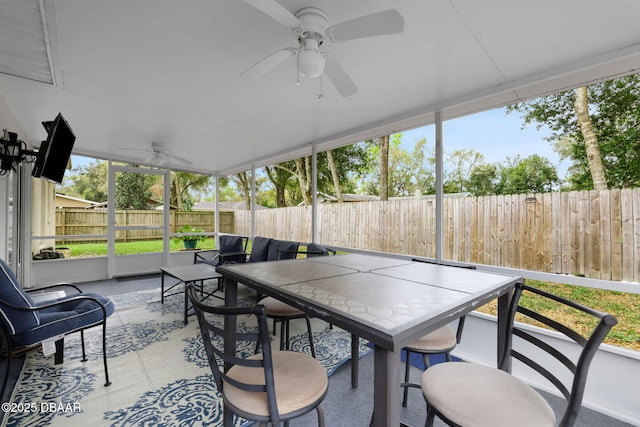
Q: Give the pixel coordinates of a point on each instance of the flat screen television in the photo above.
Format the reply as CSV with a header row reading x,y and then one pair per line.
x,y
53,155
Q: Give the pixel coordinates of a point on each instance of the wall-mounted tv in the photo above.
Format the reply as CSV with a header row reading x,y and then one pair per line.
x,y
53,155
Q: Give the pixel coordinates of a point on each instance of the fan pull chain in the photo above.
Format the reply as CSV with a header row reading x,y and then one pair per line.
x,y
321,94
298,64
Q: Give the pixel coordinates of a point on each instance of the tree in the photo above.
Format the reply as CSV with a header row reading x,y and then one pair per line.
x,y
349,162
304,175
331,161
133,191
243,182
89,182
183,185
408,171
533,174
462,162
279,175
483,180
614,112
292,180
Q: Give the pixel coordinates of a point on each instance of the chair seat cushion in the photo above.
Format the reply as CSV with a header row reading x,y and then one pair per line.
x,y
441,340
474,395
275,307
300,382
72,314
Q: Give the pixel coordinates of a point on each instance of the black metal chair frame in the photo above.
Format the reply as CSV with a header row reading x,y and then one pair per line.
x,y
574,392
209,255
262,340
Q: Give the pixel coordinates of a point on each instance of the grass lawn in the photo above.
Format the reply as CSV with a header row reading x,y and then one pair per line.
x,y
626,307
83,250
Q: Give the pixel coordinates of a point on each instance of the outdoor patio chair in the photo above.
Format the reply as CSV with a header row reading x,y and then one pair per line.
x,y
259,251
232,250
441,341
463,394
268,387
27,323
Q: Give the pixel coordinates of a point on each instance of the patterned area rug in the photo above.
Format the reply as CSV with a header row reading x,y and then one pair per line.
x,y
157,366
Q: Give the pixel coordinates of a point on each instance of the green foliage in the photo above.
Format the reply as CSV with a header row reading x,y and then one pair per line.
x,y
462,164
408,170
190,237
614,108
88,182
185,186
133,191
483,180
533,174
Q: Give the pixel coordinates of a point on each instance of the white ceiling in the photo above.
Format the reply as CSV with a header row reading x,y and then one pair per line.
x,y
127,73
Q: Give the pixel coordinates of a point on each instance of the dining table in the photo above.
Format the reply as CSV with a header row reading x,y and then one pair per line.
x,y
389,301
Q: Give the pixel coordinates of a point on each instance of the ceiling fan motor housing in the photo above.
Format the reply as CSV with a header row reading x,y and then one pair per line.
x,y
314,23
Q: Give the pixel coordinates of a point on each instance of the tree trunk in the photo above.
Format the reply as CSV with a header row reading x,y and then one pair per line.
x,y
176,192
334,175
278,179
303,170
245,187
594,158
384,167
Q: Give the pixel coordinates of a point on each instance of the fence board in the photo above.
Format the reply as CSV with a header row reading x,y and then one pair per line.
x,y
626,208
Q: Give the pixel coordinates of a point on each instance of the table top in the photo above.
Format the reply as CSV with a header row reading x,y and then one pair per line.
x,y
192,273
389,301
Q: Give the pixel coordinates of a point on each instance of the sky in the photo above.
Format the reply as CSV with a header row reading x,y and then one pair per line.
x,y
494,133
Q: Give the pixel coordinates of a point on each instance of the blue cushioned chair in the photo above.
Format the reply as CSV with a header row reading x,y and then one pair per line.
x,y
26,323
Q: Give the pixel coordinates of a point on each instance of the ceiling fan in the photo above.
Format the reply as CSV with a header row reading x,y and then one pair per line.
x,y
311,25
159,154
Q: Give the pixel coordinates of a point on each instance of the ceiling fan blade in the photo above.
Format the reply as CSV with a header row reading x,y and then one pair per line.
x,y
339,77
377,24
180,159
276,11
122,148
267,64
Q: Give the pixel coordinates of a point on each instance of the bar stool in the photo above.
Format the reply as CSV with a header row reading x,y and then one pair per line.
x,y
283,313
442,340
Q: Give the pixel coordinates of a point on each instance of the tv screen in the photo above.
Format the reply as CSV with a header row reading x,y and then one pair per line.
x,y
53,155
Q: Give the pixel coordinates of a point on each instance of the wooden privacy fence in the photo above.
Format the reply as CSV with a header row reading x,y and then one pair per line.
x,y
85,222
591,233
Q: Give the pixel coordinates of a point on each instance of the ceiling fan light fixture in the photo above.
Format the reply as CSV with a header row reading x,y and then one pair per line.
x,y
311,61
158,158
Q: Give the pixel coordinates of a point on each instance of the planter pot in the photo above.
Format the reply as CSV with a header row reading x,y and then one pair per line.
x,y
190,244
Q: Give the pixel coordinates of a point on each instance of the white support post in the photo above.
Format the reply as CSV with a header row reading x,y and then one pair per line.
x,y
439,185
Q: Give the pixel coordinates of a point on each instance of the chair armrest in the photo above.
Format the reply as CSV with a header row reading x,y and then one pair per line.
x,y
56,303
205,255
56,285
226,257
